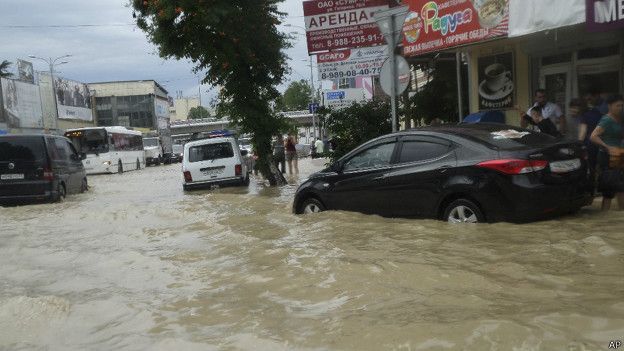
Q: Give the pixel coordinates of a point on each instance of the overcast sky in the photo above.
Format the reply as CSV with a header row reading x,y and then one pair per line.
x,y
116,50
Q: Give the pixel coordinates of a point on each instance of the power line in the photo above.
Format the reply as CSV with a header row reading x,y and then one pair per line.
x,y
63,26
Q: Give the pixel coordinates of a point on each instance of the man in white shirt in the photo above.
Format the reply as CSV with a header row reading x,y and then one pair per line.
x,y
550,110
319,146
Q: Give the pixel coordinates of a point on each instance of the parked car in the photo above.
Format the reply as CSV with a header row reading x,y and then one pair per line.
x,y
464,173
178,153
39,168
217,161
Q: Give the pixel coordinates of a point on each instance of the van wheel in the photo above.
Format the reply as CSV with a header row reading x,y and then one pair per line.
x,y
84,186
463,211
310,205
138,164
119,167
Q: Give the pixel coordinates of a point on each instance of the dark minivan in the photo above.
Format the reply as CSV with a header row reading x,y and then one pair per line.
x,y
464,173
39,168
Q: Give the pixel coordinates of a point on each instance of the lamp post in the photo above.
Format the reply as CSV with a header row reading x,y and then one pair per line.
x,y
52,63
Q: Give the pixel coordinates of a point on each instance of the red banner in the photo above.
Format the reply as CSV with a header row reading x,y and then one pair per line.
x,y
342,24
442,24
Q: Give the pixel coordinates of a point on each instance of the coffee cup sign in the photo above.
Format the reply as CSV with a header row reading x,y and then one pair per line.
x,y
496,77
496,82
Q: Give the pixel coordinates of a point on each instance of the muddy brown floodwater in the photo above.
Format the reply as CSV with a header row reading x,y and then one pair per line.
x,y
136,264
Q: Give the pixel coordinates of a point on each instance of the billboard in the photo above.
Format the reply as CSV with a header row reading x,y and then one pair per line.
x,y
604,15
73,100
343,98
349,63
437,25
25,71
342,24
22,104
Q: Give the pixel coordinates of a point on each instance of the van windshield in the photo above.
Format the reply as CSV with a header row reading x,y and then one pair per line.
x,y
21,149
147,142
210,152
92,141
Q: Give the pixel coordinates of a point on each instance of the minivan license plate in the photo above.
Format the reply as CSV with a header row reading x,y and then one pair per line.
x,y
565,166
11,176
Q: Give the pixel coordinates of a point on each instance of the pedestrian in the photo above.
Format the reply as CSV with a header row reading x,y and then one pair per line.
x,y
320,147
313,148
588,122
291,154
549,111
609,135
279,153
576,108
544,125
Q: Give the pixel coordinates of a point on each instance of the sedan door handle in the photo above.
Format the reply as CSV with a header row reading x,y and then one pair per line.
x,y
443,169
381,177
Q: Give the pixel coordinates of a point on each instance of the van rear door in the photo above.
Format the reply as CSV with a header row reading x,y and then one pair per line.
x,y
212,161
23,160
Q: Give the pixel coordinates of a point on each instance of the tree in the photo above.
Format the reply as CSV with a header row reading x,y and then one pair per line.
x,y
356,124
198,112
297,96
239,46
4,69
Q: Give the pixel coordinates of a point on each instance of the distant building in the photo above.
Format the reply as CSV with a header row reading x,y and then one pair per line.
x,y
141,104
182,107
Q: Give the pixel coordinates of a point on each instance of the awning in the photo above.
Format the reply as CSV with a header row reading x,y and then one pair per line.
x,y
532,16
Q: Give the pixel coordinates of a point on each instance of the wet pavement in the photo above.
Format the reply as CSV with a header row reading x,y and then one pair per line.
x,y
137,264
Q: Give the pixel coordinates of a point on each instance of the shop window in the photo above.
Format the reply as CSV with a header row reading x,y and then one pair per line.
x,y
555,59
593,53
603,83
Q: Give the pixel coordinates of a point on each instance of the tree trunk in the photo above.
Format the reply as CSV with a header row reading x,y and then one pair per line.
x,y
266,165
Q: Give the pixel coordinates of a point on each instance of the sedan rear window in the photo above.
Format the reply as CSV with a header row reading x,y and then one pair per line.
x,y
507,139
22,149
210,152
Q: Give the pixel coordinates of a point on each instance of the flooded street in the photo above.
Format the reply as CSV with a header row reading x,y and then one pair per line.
x,y
136,264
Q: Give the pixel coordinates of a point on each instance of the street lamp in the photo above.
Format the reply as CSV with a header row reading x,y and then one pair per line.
x,y
52,62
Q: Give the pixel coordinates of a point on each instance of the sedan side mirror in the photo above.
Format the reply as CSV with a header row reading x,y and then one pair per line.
x,y
336,167
244,152
83,156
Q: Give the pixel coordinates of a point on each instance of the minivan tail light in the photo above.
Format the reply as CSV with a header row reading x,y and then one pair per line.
x,y
48,174
514,166
238,169
187,177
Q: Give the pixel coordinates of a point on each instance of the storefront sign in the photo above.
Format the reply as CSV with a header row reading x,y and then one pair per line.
x,y
364,62
343,98
342,24
604,15
441,24
496,82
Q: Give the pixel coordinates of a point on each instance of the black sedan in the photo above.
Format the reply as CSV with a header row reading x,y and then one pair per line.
x,y
464,173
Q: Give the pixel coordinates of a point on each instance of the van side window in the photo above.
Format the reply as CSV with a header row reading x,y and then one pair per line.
x,y
60,152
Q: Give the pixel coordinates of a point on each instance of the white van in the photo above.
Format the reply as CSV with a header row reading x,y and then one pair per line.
x,y
216,161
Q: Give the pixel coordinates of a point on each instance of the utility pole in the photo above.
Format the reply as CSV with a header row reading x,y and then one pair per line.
x,y
52,62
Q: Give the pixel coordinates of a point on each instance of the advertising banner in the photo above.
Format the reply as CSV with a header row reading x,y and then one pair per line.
x,y
342,98
362,62
22,104
496,82
604,15
442,24
162,108
73,100
342,24
25,71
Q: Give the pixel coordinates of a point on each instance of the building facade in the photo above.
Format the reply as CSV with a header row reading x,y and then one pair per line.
x,y
142,105
181,108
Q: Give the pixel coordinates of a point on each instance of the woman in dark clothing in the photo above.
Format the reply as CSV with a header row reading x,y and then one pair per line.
x,y
291,154
545,125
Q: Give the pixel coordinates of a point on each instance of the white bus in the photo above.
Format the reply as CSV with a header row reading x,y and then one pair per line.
x,y
109,149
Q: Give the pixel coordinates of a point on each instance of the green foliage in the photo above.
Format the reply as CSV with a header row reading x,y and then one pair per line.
x,y
4,69
353,126
237,43
198,112
437,99
297,96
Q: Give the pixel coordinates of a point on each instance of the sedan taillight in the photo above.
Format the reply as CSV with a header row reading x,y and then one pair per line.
x,y
238,169
514,166
187,177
